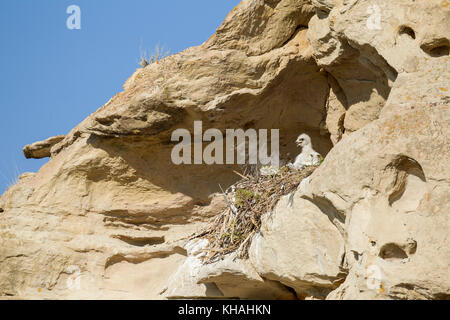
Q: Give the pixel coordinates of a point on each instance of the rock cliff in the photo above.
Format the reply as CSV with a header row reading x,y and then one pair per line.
x,y
109,215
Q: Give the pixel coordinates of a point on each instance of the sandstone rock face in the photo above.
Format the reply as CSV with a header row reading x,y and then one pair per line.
x,y
109,215
390,195
299,247
238,279
184,283
230,278
396,209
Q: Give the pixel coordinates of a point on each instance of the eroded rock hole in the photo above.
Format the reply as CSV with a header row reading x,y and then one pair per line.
x,y
407,31
439,51
322,14
409,184
436,47
392,251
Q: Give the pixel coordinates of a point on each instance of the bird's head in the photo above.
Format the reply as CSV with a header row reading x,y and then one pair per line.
x,y
303,140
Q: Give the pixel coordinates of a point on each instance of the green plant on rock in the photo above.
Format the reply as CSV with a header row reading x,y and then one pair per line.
x,y
244,196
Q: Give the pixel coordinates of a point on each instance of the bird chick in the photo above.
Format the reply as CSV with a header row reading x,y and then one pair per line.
x,y
308,156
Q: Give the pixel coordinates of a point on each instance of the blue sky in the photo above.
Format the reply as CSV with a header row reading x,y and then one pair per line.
x,y
51,78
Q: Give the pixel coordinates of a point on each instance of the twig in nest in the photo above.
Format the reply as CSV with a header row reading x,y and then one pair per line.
x,y
227,202
241,175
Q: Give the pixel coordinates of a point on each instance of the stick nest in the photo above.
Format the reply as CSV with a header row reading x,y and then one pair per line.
x,y
248,200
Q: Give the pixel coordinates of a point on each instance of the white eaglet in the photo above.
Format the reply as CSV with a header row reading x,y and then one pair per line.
x,y
308,156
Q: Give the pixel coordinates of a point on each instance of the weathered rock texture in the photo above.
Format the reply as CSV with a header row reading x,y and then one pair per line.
x,y
41,149
108,215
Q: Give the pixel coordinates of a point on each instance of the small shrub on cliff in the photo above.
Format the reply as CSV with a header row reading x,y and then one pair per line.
x,y
159,53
